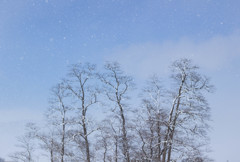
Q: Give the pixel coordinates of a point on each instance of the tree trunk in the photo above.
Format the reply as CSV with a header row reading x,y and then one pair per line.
x,y
116,151
63,139
171,129
125,140
175,117
86,141
159,141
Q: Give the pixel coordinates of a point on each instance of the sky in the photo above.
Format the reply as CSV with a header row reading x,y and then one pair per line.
x,y
39,39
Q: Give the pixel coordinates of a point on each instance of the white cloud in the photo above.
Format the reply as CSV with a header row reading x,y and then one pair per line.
x,y
145,59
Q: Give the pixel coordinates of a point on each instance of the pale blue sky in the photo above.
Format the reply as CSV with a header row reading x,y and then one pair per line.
x,y
40,38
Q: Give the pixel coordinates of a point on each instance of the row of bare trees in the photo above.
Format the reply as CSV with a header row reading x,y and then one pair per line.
x,y
96,116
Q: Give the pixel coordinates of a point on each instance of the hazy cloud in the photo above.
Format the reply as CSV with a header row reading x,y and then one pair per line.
x,y
147,58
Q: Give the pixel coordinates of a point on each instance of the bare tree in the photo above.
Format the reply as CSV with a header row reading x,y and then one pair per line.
x,y
103,142
108,140
47,139
189,112
57,116
82,87
53,137
27,146
48,143
181,133
168,125
115,131
116,87
150,121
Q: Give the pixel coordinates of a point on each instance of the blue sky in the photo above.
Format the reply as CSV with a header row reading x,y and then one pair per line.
x,y
40,38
